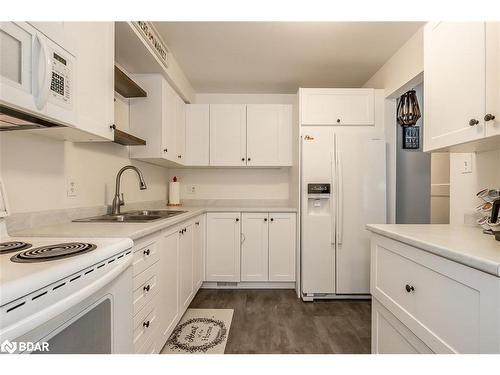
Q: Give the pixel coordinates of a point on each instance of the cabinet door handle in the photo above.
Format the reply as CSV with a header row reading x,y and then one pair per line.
x,y
489,117
197,223
409,288
265,219
165,150
237,219
146,288
146,324
242,159
248,159
146,252
338,121
473,122
179,156
272,219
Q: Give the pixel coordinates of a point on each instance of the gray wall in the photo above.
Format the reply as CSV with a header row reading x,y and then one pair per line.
x,y
413,177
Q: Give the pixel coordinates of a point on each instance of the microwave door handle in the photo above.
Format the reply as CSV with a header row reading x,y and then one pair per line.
x,y
41,59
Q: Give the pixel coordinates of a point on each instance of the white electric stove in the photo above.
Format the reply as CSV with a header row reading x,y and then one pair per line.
x,y
64,295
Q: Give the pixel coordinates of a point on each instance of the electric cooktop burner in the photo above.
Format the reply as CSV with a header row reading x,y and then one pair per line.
x,y
11,246
53,252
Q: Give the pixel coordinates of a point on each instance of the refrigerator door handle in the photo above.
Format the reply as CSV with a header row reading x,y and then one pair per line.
x,y
340,199
333,194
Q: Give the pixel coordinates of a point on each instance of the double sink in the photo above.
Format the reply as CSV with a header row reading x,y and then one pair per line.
x,y
132,216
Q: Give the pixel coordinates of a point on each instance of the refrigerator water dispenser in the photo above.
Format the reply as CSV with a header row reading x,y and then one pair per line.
x,y
318,199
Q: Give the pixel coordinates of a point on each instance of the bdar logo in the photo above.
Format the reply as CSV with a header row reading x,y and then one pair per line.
x,y
8,347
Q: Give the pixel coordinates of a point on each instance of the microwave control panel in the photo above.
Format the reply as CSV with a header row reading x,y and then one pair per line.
x,y
60,84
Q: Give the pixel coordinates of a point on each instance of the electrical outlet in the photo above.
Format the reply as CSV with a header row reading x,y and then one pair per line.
x,y
467,163
71,187
191,189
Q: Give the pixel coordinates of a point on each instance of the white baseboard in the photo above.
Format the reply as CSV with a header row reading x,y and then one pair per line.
x,y
249,285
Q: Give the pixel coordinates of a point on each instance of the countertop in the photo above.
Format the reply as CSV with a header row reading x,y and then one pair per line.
x,y
138,230
465,244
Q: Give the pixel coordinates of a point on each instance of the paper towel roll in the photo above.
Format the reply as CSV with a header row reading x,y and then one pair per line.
x,y
174,196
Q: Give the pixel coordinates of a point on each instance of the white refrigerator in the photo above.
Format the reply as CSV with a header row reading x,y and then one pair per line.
x,y
343,188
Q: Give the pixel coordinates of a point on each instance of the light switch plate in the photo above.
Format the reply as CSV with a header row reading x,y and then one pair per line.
x,y
191,189
467,163
71,187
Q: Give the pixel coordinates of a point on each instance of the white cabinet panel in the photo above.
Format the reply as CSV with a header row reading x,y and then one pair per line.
x,y
454,90
254,248
169,284
337,106
228,134
223,247
390,336
493,77
185,265
198,251
197,134
269,134
180,120
169,125
94,95
282,232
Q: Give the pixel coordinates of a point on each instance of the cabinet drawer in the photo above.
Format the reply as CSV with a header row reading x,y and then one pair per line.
x,y
145,255
146,324
145,287
151,346
444,303
390,336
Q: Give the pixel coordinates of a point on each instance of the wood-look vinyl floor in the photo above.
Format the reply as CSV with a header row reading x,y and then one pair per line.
x,y
276,321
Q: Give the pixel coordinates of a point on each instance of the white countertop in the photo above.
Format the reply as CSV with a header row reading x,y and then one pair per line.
x,y
465,244
138,230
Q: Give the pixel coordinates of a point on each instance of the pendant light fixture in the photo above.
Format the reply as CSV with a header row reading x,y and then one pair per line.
x,y
408,111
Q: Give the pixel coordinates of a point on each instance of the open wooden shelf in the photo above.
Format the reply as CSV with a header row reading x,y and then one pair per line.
x,y
126,87
126,139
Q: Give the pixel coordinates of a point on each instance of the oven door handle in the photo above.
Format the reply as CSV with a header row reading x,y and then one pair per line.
x,y
33,321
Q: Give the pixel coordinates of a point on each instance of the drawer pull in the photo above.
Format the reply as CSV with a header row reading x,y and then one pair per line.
x,y
146,252
146,288
410,288
146,324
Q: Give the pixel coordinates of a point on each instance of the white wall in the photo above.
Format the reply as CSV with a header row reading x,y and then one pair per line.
x,y
231,183
35,169
463,187
403,70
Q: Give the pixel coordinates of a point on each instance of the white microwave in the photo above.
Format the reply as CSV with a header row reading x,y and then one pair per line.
x,y
37,75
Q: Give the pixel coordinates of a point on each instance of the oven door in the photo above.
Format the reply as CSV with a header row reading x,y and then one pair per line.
x,y
100,324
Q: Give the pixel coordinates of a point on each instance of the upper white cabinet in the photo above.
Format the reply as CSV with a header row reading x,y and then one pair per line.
x,y
228,134
223,247
95,76
493,78
461,85
158,119
197,134
180,123
337,106
269,134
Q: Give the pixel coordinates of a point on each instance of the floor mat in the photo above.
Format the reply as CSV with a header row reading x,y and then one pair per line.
x,y
200,331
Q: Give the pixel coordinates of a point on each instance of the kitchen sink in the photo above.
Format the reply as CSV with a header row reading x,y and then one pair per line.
x,y
132,216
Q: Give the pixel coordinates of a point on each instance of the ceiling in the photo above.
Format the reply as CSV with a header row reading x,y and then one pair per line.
x,y
279,57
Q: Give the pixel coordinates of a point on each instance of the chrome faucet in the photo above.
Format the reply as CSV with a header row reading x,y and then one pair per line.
x,y
117,201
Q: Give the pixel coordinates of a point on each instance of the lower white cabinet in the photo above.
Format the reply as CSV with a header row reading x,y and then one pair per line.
x,y
282,246
223,247
255,246
186,265
449,307
170,264
198,251
268,247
